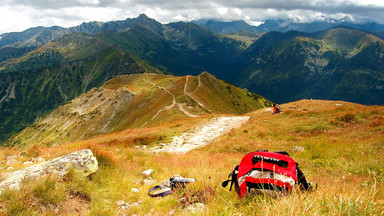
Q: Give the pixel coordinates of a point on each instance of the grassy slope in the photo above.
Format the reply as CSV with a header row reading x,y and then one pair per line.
x,y
135,101
55,73
343,142
334,64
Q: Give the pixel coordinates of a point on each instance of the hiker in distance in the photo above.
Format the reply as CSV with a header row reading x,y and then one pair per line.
x,y
276,108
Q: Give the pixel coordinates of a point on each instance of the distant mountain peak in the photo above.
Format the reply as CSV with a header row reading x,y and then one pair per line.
x,y
143,16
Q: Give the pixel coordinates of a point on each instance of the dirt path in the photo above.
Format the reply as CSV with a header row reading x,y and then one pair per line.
x,y
202,135
181,106
189,94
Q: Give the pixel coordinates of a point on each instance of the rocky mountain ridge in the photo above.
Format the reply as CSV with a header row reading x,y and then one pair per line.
x,y
135,101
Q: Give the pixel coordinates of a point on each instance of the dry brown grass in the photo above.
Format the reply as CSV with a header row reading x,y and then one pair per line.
x,y
343,158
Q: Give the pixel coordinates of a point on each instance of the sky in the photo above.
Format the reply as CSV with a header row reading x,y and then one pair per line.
x,y
18,15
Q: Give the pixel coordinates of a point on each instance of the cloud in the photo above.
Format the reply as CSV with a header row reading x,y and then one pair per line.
x,y
17,15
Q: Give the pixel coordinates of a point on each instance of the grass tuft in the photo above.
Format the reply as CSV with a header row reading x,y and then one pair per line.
x,y
105,158
34,151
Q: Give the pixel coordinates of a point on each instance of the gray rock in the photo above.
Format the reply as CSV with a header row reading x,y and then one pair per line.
x,y
28,163
147,173
171,212
196,208
298,148
135,190
12,157
37,160
82,162
120,202
12,160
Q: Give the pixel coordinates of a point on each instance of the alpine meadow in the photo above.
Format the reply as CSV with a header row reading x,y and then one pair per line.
x,y
137,117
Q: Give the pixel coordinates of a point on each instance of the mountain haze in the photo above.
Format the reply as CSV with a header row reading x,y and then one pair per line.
x,y
230,27
38,36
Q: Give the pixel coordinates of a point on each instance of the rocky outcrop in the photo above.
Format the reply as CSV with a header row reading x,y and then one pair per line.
x,y
81,161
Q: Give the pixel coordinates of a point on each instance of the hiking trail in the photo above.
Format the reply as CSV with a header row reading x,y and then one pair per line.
x,y
180,106
202,135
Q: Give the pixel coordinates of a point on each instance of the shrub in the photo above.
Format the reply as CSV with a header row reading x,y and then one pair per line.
x,y
348,118
375,123
34,151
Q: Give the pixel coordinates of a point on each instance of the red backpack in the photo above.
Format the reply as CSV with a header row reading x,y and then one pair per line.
x,y
264,172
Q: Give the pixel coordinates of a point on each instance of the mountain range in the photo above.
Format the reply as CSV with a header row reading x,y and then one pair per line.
x,y
231,27
45,67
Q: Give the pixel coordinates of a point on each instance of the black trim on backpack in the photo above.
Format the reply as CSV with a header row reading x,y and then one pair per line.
x,y
258,158
267,186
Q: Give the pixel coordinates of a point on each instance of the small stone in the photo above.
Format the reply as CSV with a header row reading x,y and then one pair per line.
x,y
120,202
298,148
137,147
149,182
11,157
147,173
12,161
135,190
135,204
196,208
27,163
10,168
37,160
171,212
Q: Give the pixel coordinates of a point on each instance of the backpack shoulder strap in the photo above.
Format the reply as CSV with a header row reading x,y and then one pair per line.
x,y
302,181
232,177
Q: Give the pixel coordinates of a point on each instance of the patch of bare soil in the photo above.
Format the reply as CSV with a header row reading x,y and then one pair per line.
x,y
202,135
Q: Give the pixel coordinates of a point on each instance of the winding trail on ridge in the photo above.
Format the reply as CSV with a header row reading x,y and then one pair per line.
x,y
202,135
189,94
180,105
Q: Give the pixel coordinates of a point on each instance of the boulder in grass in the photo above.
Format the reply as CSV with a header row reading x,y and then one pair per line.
x,y
81,161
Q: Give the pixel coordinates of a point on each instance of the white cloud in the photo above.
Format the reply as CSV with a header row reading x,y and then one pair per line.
x,y
17,15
